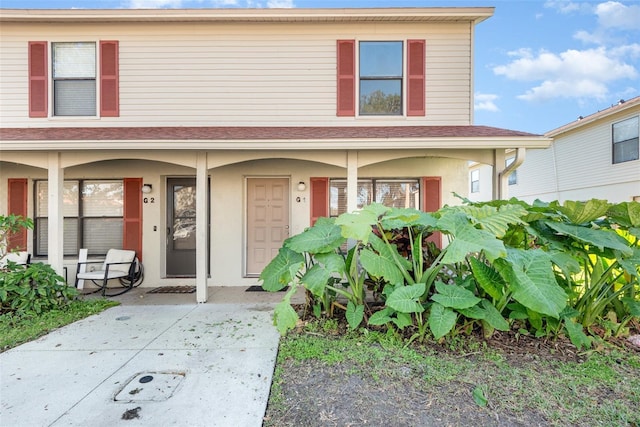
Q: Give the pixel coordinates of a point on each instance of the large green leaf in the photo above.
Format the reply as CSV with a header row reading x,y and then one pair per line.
x,y
379,266
583,212
357,225
488,278
441,320
324,236
626,214
405,299
381,317
530,276
467,239
390,252
493,317
281,270
454,296
601,238
354,314
284,316
315,279
496,220
576,334
400,218
630,264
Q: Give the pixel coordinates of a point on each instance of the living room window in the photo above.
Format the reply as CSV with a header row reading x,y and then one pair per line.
x,y
74,79
399,193
93,216
625,140
381,77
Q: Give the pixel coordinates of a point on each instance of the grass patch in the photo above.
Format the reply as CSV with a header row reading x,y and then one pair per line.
x,y
16,330
603,390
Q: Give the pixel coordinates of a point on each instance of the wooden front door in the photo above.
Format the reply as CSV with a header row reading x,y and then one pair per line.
x,y
267,221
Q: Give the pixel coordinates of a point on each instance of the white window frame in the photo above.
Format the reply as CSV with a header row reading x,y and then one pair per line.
x,y
403,82
626,141
52,80
475,179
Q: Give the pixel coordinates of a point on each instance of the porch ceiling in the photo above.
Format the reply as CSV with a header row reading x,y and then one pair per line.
x,y
305,138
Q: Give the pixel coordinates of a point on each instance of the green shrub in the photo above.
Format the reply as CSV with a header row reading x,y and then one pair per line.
x,y
33,288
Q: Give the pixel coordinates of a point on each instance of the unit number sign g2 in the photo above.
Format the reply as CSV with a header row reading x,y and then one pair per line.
x,y
149,200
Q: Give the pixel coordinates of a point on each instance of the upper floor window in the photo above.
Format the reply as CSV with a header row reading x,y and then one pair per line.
x,y
625,140
381,78
74,79
475,181
388,76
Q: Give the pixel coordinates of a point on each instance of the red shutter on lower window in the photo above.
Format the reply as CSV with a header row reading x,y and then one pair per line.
x,y
319,189
38,80
432,201
346,85
416,64
17,205
132,213
109,79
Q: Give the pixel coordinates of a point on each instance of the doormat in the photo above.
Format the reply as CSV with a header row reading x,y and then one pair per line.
x,y
173,290
257,288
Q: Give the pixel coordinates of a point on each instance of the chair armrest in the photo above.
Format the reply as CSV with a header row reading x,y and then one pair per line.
x,y
86,262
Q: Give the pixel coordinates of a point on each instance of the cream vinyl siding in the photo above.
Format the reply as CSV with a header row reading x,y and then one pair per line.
x,y
177,74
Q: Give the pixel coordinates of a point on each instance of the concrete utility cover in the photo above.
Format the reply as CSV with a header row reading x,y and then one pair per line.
x,y
150,387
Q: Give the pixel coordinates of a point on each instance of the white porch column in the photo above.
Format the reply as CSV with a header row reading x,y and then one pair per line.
x,y
55,214
352,180
202,253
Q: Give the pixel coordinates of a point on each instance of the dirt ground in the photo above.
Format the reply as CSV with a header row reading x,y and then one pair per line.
x,y
319,394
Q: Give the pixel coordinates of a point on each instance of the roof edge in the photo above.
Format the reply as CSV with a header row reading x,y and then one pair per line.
x,y
474,14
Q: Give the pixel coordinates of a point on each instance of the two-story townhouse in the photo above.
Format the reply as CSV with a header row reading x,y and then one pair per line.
x,y
203,138
595,156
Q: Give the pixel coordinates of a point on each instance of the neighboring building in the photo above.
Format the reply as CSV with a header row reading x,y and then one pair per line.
x,y
203,138
594,157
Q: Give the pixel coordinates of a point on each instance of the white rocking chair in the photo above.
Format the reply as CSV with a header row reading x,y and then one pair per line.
x,y
119,264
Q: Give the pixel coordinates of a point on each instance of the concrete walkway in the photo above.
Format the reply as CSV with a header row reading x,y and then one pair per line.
x,y
153,364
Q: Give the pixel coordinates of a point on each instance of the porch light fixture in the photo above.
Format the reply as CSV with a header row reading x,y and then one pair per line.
x,y
146,189
302,186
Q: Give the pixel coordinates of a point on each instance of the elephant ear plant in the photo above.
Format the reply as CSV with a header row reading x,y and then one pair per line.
x,y
28,289
544,269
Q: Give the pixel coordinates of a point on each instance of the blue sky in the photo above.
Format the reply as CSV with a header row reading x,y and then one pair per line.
x,y
538,64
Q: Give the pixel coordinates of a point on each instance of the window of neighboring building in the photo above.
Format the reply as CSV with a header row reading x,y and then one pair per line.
x,y
93,216
513,176
625,140
74,79
475,181
399,193
381,75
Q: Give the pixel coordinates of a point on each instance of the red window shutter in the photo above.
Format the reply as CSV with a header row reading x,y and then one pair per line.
x,y
109,79
17,192
416,64
346,86
432,194
38,80
319,198
132,228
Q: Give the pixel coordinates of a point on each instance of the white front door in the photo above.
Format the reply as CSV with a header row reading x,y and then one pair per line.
x,y
267,221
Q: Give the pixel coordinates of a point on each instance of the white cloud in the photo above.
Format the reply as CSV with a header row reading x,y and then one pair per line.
x,y
223,3
615,15
154,4
280,4
485,102
563,6
570,74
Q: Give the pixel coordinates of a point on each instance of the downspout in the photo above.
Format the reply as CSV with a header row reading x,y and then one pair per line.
x,y
503,187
